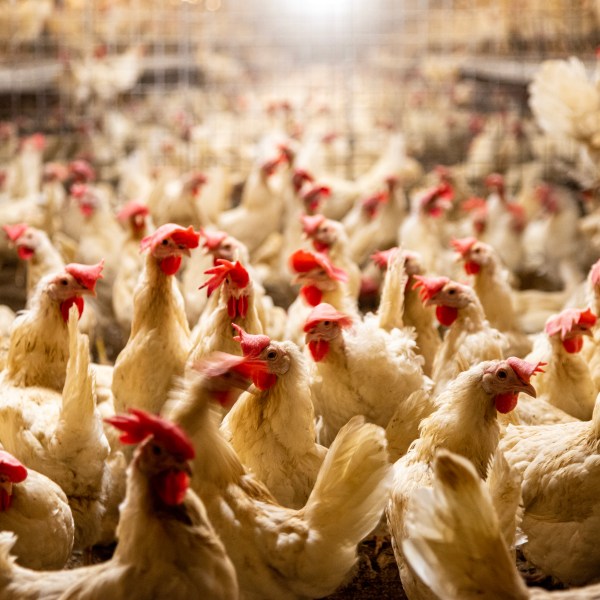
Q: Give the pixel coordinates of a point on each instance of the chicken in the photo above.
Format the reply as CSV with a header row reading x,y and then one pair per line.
x,y
552,244
236,305
180,201
100,76
260,210
504,224
321,282
566,104
415,314
567,381
464,422
561,510
422,230
159,326
280,552
167,546
454,538
491,283
36,509
34,246
135,217
469,339
329,237
286,461
374,221
61,436
360,369
39,346
100,237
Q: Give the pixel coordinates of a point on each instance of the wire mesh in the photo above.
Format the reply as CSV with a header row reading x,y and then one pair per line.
x,y
356,57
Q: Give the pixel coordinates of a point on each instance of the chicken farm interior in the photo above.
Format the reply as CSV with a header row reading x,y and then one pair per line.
x,y
299,299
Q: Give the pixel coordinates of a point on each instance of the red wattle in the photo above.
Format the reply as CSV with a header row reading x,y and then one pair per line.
x,y
318,349
170,265
264,381
171,486
312,294
320,246
242,306
66,305
472,268
506,402
5,500
232,308
446,315
25,253
573,344
87,210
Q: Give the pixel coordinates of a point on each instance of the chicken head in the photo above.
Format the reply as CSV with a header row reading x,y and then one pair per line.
x,y
504,380
448,296
70,285
276,358
169,243
570,326
323,325
163,455
316,274
321,231
236,285
474,253
134,214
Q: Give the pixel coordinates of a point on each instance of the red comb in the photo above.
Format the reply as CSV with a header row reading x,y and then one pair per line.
x,y
86,275
82,171
595,273
12,468
525,370
37,140
326,312
564,321
220,363
212,239
311,223
303,261
180,235
79,190
252,345
14,232
382,257
299,177
495,180
463,245
132,209
474,203
224,268
429,286
139,425
372,204
312,197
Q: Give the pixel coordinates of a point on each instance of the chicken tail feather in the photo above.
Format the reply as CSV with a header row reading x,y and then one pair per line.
x,y
455,543
352,487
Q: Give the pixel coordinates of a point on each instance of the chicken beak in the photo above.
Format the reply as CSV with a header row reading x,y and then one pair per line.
x,y
185,252
252,389
528,389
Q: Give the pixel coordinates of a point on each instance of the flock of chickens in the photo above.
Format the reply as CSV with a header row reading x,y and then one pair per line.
x,y
277,422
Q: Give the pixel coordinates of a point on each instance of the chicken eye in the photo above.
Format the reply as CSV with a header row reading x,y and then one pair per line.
x,y
165,242
271,355
327,323
64,281
501,374
452,292
156,450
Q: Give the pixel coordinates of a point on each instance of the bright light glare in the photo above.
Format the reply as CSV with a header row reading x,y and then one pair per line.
x,y
318,8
